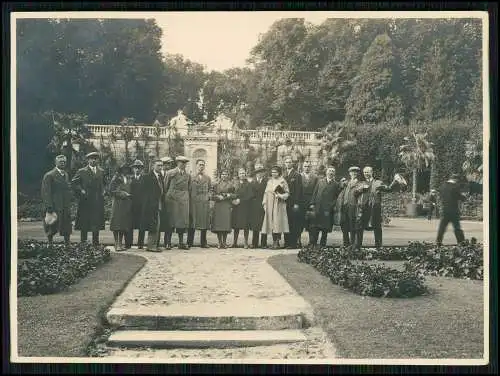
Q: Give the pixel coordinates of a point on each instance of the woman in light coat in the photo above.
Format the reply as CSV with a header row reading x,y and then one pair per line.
x,y
274,203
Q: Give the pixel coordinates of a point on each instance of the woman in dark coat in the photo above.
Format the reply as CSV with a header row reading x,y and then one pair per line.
x,y
257,212
240,216
121,210
223,194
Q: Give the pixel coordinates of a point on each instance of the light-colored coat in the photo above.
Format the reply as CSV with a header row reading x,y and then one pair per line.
x,y
275,218
177,198
201,186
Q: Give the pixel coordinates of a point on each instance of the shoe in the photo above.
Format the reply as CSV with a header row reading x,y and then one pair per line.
x,y
183,246
168,247
157,250
205,246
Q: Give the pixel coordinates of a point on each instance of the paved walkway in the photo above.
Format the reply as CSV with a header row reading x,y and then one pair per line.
x,y
212,282
399,232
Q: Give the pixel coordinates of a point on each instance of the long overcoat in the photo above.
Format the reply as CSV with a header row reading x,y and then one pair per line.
x,y
240,214
221,221
152,202
201,186
177,198
90,212
370,204
121,209
309,183
56,197
136,189
256,208
275,218
346,211
324,198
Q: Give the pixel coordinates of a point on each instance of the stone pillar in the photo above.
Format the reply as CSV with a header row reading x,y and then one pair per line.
x,y
199,147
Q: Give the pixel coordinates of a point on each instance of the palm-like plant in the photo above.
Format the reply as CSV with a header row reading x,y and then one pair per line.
x,y
127,132
416,154
336,141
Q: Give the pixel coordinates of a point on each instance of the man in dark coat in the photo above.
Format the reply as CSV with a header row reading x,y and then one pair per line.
x,y
165,220
152,204
137,193
56,197
200,205
177,198
347,206
323,203
370,206
257,212
88,185
309,182
450,210
294,181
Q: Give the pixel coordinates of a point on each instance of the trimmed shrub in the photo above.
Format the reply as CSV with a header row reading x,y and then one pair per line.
x,y
44,270
362,278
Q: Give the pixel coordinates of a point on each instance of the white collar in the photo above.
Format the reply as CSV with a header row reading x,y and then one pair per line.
x,y
60,171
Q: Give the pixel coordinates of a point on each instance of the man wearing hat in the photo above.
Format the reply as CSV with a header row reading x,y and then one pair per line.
x,y
177,197
88,185
450,209
370,205
137,192
201,186
165,226
346,208
152,204
56,197
309,182
259,183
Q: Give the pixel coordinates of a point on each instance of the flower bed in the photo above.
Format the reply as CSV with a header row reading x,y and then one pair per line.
x,y
44,270
362,278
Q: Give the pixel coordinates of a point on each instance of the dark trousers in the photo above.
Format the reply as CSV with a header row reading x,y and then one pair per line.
x,y
95,237
455,221
314,235
50,238
203,237
295,225
348,236
129,238
255,239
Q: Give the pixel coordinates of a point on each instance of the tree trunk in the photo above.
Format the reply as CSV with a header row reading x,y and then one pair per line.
x,y
433,177
414,189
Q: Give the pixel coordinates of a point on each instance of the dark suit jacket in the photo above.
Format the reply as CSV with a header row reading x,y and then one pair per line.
x,y
294,181
450,199
152,201
324,199
56,196
90,213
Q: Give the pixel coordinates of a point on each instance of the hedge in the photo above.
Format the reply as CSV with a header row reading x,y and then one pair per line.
x,y
44,270
362,278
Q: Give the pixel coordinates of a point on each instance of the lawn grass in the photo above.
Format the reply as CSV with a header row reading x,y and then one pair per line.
x,y
448,323
64,324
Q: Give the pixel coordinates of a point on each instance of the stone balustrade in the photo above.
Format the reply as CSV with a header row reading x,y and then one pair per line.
x,y
164,132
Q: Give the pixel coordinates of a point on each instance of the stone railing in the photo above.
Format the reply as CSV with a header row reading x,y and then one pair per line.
x,y
253,135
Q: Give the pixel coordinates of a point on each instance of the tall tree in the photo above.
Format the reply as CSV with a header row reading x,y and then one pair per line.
x,y
373,99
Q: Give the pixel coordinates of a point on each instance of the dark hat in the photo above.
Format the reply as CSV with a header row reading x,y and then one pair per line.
x,y
137,163
277,168
259,168
93,154
354,168
61,156
124,167
181,158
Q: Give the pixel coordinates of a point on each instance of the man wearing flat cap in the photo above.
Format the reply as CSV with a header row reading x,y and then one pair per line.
x,y
201,189
88,185
56,197
450,208
347,208
136,190
177,199
165,220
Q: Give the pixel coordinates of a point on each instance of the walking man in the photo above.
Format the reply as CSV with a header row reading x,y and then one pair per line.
x,y
201,186
450,210
177,199
152,205
136,190
88,184
294,181
56,197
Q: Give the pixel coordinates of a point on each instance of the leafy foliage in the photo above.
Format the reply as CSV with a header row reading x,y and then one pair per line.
x,y
362,278
44,270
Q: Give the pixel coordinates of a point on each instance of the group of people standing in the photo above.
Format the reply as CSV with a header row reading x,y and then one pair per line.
x,y
280,203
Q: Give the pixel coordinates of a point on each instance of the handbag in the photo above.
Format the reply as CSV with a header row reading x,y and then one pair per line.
x,y
279,190
50,218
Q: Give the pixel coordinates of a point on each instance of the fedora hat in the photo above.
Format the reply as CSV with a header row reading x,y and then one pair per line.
x,y
354,168
181,158
166,159
137,163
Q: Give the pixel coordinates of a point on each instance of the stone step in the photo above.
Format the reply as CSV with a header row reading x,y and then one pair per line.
x,y
203,339
205,317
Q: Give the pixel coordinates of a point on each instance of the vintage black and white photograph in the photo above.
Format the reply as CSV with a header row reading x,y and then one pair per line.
x,y
228,187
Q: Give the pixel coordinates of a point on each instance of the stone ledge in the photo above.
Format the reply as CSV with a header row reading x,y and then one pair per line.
x,y
204,339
